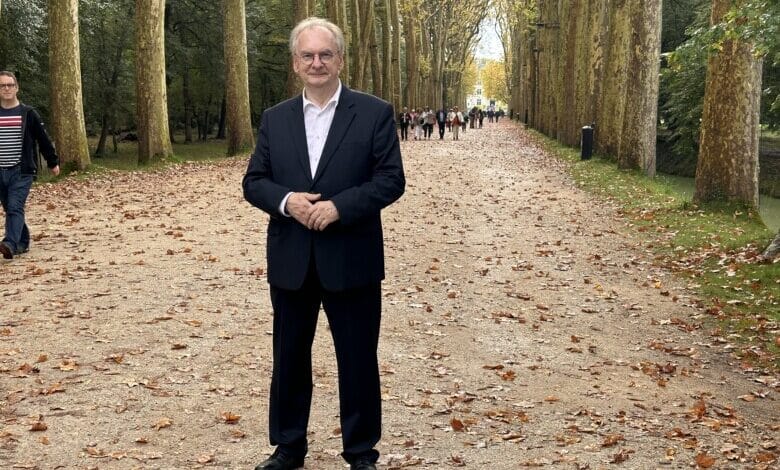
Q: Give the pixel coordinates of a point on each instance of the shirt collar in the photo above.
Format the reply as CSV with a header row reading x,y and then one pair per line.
x,y
333,99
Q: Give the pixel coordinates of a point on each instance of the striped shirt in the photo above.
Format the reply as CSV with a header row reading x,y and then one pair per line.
x,y
10,137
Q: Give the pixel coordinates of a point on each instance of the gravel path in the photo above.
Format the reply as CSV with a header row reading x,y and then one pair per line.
x,y
524,325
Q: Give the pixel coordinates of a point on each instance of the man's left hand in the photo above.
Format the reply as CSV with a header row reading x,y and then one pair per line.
x,y
56,170
322,214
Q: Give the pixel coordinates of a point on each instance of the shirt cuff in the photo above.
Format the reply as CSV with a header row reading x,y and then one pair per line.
x,y
284,204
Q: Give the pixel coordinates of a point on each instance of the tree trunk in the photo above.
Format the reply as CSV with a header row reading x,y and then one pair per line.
x,y
412,66
772,251
377,82
151,93
185,90
593,61
239,120
222,118
637,148
70,136
337,13
613,102
424,87
300,11
387,47
395,56
549,31
571,17
728,153
356,58
364,42
100,149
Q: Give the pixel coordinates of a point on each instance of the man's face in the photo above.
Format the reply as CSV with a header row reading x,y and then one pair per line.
x,y
8,88
317,60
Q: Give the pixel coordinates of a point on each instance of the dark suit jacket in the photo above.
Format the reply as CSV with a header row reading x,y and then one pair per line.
x,y
360,171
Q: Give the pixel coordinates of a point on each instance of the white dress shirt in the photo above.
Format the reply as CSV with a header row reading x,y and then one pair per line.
x,y
317,121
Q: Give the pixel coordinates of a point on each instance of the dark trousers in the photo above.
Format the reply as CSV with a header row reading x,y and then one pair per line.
x,y
441,130
404,132
14,189
354,318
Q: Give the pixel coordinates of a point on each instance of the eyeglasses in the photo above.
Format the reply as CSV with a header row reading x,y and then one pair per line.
x,y
11,85
308,58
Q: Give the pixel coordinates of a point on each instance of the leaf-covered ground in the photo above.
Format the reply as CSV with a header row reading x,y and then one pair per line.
x,y
524,326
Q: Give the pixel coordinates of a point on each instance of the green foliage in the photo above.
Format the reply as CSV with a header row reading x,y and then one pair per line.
x,y
106,42
24,49
683,79
677,16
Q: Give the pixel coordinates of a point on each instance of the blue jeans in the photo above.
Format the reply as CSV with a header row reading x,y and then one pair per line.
x,y
14,189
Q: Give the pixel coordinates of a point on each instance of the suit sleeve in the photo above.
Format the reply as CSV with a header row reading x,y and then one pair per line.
x,y
387,182
43,140
259,188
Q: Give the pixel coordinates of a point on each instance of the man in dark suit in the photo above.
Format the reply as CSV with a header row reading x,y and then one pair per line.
x,y
326,163
441,121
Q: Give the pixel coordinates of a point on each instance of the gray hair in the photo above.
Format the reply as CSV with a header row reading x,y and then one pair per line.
x,y
315,22
6,73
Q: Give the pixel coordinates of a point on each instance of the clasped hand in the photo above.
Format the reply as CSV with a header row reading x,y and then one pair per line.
x,y
308,209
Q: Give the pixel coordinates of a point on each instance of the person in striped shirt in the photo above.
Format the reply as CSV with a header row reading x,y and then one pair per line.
x,y
21,134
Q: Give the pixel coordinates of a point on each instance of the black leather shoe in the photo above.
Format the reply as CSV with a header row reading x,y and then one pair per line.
x,y
363,465
5,249
280,461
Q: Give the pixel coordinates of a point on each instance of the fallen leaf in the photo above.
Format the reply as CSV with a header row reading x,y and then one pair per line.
x,y
230,418
457,425
162,423
612,440
704,461
39,425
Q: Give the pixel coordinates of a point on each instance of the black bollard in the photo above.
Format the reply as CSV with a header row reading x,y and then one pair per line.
x,y
587,142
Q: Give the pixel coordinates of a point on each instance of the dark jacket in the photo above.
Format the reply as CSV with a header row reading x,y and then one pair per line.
x,y
35,136
360,171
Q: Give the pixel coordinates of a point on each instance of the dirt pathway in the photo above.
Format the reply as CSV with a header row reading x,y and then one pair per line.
x,y
523,326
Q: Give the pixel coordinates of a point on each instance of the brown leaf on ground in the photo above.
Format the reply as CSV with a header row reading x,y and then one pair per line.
x,y
622,455
704,461
39,425
612,440
699,409
162,423
457,425
230,418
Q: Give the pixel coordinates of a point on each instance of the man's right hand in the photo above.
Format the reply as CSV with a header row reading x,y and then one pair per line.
x,y
298,205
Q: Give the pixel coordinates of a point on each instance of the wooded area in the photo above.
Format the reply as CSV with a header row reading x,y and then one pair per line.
x,y
165,70
574,63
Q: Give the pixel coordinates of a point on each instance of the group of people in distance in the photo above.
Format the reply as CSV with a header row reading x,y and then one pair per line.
x,y
422,120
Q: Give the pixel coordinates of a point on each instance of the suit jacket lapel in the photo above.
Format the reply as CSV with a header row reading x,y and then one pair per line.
x,y
297,128
345,113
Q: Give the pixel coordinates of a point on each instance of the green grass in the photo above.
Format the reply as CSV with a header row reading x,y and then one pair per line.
x,y
712,246
126,157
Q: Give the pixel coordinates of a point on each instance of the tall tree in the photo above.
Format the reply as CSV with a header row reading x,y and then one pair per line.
x,y
728,153
363,28
409,12
609,123
300,11
70,135
637,148
336,11
387,46
151,88
105,49
239,120
395,55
